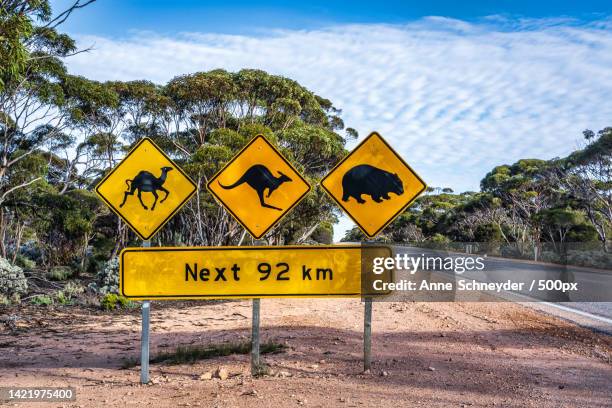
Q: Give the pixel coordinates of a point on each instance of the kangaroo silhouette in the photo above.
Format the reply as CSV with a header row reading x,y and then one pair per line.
x,y
148,183
258,177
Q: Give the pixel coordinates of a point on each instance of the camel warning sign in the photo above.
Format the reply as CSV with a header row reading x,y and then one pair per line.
x,y
373,185
146,189
258,186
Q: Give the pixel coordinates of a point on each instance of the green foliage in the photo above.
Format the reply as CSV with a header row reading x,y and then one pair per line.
x,y
60,273
62,298
202,119
439,239
24,262
67,225
323,234
488,233
107,279
112,301
41,300
13,282
596,259
67,295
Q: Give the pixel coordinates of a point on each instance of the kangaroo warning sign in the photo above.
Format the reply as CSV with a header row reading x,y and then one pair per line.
x,y
146,189
258,186
249,272
373,184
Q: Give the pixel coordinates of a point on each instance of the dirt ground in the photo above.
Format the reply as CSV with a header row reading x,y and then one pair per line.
x,y
424,354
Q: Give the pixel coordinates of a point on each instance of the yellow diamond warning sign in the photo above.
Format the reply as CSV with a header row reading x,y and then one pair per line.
x,y
146,189
258,186
373,185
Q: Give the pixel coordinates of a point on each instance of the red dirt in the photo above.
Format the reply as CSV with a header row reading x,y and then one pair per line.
x,y
425,354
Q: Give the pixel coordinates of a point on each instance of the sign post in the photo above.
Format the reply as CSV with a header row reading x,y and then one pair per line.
x,y
122,190
144,343
255,362
255,356
367,334
144,337
373,185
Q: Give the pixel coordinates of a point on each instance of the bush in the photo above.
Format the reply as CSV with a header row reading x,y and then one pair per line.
x,y
550,257
63,298
67,295
594,259
25,262
13,282
59,273
72,289
42,300
112,301
107,278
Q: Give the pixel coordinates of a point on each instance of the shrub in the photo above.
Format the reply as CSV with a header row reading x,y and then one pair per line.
x,y
67,295
42,300
13,282
550,257
59,273
595,259
72,289
107,278
25,262
63,298
112,301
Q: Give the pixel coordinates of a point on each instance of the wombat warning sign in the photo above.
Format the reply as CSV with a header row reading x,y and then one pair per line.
x,y
373,185
258,186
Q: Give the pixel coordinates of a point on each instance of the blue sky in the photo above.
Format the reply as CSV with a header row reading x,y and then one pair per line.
x,y
456,90
115,17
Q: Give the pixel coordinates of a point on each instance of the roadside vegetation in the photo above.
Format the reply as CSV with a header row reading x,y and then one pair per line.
x,y
61,133
557,210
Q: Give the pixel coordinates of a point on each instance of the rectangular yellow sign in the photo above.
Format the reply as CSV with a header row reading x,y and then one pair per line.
x,y
242,272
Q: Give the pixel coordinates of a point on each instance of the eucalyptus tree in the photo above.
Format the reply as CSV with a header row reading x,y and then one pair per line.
x,y
205,118
32,121
588,177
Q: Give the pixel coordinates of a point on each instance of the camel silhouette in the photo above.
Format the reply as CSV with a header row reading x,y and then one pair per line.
x,y
148,183
258,177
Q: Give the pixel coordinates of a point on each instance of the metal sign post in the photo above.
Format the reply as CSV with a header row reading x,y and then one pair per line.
x,y
144,338
255,360
255,363
367,334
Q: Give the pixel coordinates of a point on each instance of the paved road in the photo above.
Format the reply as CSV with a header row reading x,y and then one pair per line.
x,y
590,305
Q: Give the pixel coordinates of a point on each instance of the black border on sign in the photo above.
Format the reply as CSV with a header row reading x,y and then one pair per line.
x,y
112,207
394,216
233,248
229,209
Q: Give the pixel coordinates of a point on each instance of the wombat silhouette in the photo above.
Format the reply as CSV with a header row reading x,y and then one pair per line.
x,y
259,178
147,182
372,181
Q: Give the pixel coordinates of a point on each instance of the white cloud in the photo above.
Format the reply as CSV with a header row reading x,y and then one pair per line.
x,y
454,98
